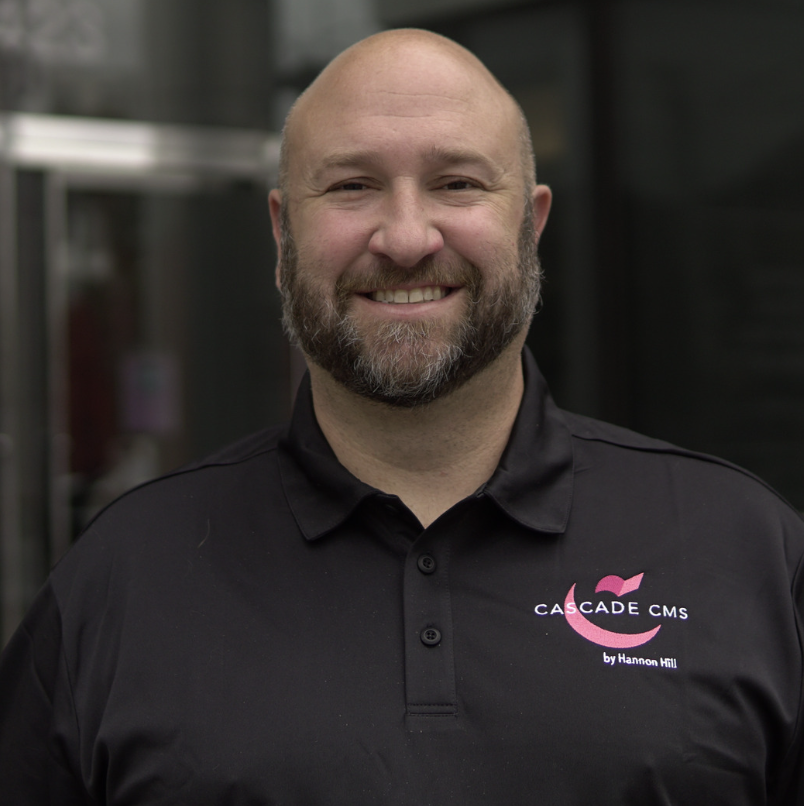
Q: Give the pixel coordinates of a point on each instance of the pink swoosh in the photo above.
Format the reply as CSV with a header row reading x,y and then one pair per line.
x,y
597,635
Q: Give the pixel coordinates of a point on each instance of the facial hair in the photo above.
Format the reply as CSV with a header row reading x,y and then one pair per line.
x,y
411,363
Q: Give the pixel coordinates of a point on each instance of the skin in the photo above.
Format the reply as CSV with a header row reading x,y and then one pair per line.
x,y
406,147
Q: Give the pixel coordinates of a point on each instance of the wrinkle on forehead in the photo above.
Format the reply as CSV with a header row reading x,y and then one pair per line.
x,y
416,91
395,97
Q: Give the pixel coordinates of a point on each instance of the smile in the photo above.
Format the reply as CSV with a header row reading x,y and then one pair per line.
x,y
402,296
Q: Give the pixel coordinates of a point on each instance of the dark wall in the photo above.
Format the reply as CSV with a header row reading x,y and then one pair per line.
x,y
710,111
671,132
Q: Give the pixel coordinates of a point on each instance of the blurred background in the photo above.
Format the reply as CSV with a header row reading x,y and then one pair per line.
x,y
139,327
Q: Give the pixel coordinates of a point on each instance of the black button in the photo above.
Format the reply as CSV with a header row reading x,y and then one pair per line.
x,y
431,636
426,563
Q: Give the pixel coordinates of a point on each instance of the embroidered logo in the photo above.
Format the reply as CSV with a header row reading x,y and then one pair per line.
x,y
576,613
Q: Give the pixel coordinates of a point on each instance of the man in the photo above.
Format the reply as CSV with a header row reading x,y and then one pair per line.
x,y
433,587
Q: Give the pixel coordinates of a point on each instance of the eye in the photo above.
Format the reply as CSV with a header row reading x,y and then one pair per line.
x,y
459,184
352,184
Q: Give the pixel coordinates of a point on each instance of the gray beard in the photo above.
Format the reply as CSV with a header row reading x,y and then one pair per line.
x,y
409,364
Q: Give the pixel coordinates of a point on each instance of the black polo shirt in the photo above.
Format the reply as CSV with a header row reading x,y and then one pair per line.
x,y
609,620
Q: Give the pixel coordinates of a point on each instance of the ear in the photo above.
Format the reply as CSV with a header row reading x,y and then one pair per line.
x,y
275,205
542,198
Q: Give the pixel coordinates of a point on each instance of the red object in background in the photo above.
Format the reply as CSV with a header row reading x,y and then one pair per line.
x,y
93,421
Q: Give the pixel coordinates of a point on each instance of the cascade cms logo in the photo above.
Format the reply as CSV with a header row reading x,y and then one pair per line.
x,y
574,613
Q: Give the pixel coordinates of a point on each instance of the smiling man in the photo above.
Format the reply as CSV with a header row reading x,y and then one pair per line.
x,y
416,210
433,586
407,219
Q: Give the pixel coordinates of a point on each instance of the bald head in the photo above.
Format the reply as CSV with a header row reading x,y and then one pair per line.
x,y
392,67
407,178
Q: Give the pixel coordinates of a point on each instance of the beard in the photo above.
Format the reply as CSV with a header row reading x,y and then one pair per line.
x,y
409,364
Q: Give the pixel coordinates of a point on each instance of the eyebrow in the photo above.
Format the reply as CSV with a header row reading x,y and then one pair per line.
x,y
460,156
436,155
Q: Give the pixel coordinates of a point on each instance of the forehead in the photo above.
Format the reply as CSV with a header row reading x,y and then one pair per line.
x,y
416,105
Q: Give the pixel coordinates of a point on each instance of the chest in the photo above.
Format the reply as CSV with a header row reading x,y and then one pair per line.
x,y
466,668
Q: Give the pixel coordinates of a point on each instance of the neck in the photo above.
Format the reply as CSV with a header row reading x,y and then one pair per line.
x,y
431,456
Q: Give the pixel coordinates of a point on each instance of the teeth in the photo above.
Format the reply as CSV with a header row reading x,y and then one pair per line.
x,y
400,296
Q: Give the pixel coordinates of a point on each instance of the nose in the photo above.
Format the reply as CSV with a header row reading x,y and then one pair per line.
x,y
406,232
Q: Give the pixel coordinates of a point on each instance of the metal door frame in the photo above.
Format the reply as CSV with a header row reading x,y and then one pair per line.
x,y
89,154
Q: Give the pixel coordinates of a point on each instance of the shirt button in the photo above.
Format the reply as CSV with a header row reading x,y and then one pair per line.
x,y
431,636
426,563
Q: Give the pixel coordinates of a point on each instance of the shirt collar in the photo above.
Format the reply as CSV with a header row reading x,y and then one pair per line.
x,y
534,480
532,484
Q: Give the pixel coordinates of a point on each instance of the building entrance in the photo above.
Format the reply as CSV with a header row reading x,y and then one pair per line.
x,y
140,328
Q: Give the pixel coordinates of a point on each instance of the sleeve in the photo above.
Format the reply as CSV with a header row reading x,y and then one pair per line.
x,y
38,728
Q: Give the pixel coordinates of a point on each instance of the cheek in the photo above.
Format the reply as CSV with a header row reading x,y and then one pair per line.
x,y
325,252
336,238
481,239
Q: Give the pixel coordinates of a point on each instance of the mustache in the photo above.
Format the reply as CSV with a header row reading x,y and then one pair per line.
x,y
428,271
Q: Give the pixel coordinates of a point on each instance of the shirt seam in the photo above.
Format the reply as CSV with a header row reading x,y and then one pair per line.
x,y
71,691
431,704
433,716
706,458
796,737
181,471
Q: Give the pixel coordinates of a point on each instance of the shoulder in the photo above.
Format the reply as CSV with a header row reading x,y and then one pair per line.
x,y
698,480
251,455
161,523
255,445
589,430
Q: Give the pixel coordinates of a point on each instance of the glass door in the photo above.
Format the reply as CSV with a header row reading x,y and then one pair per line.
x,y
140,328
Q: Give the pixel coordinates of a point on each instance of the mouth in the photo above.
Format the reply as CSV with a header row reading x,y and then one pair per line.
x,y
404,296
